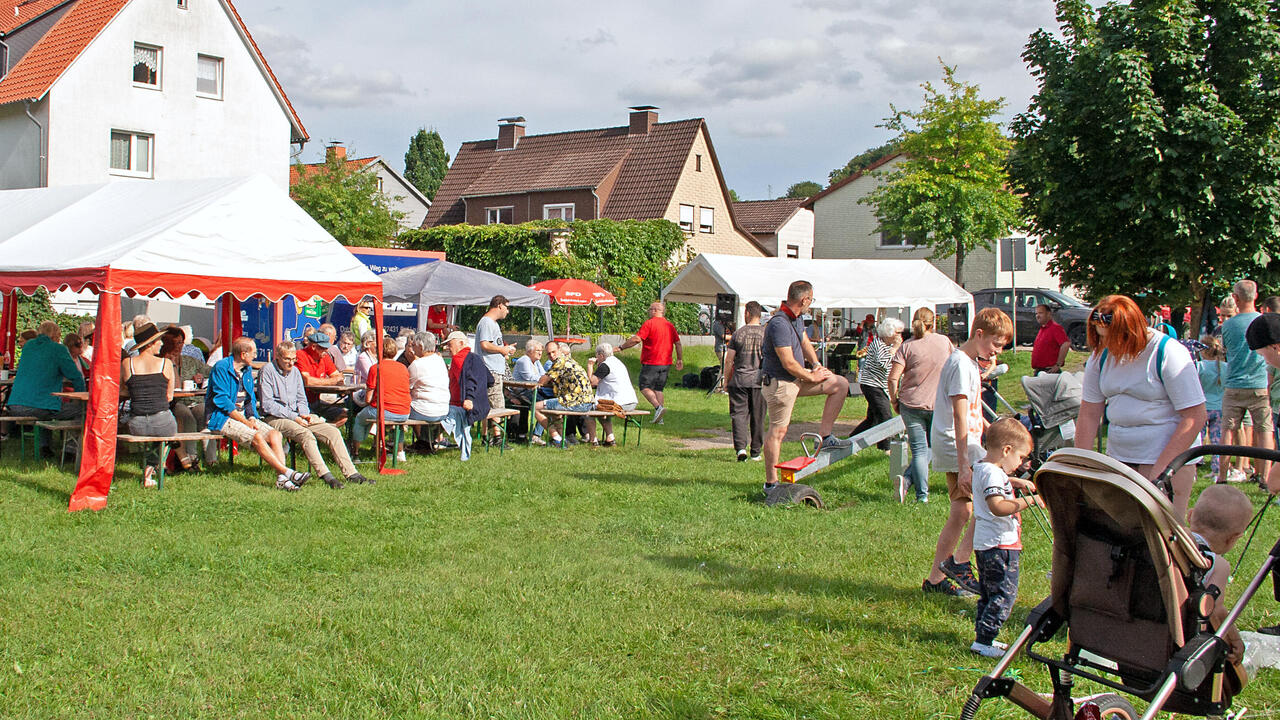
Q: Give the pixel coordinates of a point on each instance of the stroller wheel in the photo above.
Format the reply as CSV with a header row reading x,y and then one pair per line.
x,y
1109,707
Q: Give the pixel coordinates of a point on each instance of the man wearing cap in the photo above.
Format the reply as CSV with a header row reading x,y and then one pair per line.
x,y
317,368
1263,337
284,403
469,383
46,365
335,353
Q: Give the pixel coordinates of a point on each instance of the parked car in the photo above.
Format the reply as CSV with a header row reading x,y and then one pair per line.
x,y
1068,312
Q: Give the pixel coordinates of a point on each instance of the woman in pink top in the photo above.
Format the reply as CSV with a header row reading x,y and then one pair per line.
x,y
913,382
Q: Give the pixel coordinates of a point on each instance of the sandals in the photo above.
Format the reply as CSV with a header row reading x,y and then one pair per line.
x,y
149,477
187,462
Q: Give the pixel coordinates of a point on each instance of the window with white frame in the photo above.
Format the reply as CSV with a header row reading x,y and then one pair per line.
x,y
558,211
686,218
499,215
146,65
897,240
793,251
705,218
132,154
209,76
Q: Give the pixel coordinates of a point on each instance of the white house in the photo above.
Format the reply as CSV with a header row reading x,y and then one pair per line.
x,y
92,90
847,228
784,227
401,194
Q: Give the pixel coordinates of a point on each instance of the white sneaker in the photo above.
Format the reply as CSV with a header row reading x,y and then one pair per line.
x,y
990,651
657,414
900,484
400,456
756,458
537,440
742,456
1235,475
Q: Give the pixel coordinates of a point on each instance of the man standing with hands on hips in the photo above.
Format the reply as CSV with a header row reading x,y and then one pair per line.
x,y
784,377
494,352
659,337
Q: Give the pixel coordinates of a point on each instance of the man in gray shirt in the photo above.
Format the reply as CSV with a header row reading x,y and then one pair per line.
x,y
742,381
283,401
494,352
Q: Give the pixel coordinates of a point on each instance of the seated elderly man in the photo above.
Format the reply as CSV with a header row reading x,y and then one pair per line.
x,y
612,382
231,407
284,403
317,368
469,383
527,368
335,352
46,364
572,389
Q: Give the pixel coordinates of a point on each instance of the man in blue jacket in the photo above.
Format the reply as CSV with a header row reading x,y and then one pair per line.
x,y
232,410
44,366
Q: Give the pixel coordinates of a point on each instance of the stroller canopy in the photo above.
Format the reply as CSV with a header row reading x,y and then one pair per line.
x,y
1056,397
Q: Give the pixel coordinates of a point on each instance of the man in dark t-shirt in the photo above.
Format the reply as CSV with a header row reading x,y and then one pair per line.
x,y
786,348
742,382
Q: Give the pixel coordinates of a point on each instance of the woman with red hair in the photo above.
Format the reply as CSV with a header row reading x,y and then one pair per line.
x,y
1148,386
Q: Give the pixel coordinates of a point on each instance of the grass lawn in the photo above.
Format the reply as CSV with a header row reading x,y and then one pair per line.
x,y
633,582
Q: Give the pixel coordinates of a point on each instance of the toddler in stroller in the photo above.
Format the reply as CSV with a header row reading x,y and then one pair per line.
x,y
1137,592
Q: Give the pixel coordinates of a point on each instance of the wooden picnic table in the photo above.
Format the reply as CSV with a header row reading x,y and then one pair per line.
x,y
83,395
336,389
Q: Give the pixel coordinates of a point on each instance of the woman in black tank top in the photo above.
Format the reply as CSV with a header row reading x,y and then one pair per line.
x,y
149,380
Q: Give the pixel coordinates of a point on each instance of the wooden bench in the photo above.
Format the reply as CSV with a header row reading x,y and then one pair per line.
x,y
69,429
499,414
166,443
24,424
628,420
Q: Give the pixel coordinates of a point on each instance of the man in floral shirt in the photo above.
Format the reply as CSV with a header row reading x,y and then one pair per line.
x,y
572,388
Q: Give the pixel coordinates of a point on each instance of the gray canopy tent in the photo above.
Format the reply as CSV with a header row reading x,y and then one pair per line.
x,y
446,283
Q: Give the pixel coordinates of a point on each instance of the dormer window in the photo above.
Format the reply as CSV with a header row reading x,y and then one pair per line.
x,y
146,66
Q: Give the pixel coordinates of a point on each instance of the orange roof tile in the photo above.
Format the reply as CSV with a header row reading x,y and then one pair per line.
x,y
52,54
16,13
298,171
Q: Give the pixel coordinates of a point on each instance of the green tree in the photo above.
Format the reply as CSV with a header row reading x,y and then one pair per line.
x,y
803,189
1153,136
863,160
733,196
426,162
951,191
347,203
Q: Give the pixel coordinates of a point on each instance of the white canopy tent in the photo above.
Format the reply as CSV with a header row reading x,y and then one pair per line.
x,y
836,283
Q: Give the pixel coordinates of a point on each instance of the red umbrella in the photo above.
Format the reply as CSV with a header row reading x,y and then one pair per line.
x,y
571,292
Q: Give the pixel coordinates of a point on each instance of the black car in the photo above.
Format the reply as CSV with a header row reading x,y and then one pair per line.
x,y
1068,312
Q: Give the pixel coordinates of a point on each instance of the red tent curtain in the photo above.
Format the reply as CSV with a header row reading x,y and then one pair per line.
x,y
382,429
98,446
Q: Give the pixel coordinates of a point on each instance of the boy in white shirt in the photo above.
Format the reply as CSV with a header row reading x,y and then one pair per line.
x,y
997,521
954,435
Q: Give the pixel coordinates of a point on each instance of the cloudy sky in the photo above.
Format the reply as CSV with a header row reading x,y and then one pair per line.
x,y
790,88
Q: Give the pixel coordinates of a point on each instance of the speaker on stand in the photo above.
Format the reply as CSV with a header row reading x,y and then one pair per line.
x,y
725,315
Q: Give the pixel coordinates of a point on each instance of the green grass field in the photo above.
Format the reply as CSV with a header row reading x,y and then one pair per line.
x,y
633,582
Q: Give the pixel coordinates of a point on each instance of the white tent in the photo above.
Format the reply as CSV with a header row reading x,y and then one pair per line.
x,y
836,283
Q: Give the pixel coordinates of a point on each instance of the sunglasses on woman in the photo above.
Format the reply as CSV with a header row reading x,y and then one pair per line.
x,y
1100,318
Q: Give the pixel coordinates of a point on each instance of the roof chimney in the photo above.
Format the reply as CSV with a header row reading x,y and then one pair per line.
x,y
335,151
510,130
643,118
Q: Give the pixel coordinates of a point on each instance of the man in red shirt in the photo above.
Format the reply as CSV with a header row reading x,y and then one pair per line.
x,y
659,337
1049,351
317,368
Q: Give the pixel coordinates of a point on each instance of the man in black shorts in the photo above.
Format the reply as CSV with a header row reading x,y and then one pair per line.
x,y
659,338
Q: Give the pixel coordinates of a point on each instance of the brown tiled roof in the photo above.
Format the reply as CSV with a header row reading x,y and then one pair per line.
x,y
53,53
766,217
648,167
870,168
16,13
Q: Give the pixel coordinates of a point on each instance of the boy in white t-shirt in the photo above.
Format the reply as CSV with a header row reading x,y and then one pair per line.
x,y
997,539
954,437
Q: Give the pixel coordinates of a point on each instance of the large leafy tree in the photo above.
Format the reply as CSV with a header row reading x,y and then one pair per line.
x,y
803,189
1149,156
347,203
951,191
426,162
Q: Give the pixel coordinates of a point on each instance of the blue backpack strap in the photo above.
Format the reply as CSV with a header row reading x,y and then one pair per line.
x,y
1164,339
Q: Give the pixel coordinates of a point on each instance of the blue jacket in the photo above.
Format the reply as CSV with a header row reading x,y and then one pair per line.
x,y
476,380
224,385
43,366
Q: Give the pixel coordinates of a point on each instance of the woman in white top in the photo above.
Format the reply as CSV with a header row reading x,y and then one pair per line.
x,y
428,381
612,382
1147,384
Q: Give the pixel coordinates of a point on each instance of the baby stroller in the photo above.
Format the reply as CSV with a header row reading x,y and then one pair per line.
x,y
1130,587
1055,402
